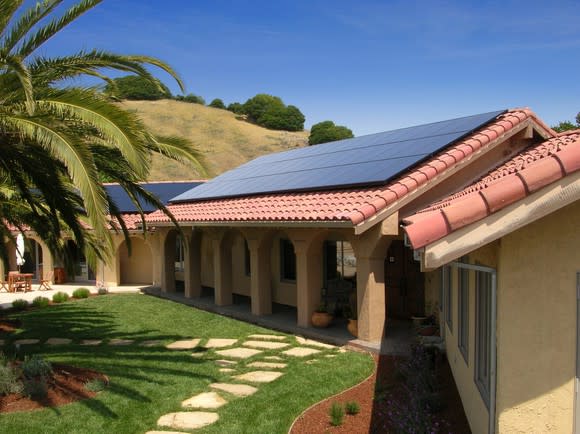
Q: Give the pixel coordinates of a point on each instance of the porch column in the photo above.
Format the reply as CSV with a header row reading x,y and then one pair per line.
x,y
222,259
261,291
193,265
308,280
370,282
168,263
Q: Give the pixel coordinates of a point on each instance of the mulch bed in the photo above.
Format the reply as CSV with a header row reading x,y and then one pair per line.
x,y
66,385
371,418
9,325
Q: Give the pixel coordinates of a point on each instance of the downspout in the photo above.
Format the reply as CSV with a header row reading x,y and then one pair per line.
x,y
492,337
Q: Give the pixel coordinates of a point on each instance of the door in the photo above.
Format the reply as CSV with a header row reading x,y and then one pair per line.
x,y
403,283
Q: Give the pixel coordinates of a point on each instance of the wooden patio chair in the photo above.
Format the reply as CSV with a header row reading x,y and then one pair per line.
x,y
45,282
15,282
3,285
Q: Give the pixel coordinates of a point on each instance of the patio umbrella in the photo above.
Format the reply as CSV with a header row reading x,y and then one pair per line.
x,y
19,251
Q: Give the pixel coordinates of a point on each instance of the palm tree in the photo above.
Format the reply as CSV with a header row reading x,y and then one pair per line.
x,y
58,142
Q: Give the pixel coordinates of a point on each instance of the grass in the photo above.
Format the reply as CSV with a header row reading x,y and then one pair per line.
x,y
225,142
146,383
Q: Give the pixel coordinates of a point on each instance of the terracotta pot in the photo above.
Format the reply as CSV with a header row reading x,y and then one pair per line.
x,y
352,327
321,319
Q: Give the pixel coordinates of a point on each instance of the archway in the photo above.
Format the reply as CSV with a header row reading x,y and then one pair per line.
x,y
79,269
136,268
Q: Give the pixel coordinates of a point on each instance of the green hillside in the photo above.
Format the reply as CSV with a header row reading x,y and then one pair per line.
x,y
226,142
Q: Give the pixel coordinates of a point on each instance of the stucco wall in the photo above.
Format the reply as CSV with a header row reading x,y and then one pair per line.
x,y
283,292
207,278
537,324
240,281
138,267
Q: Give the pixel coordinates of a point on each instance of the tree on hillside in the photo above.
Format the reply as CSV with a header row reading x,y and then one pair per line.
x,y
236,108
217,103
256,106
327,131
191,98
283,118
135,87
60,141
567,125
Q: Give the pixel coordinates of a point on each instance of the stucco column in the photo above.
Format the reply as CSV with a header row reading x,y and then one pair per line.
x,y
193,266
308,280
222,259
261,291
370,283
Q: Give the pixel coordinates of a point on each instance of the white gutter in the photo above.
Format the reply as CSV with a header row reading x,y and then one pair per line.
x,y
492,337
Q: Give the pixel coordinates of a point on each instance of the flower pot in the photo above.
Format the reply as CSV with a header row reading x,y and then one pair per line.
x,y
321,319
352,327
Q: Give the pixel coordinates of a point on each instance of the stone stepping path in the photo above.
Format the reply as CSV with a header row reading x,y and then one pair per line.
x,y
26,341
273,358
151,343
207,400
198,355
220,343
300,352
259,376
225,363
240,390
183,345
166,432
268,337
266,345
312,343
120,342
227,370
188,419
91,342
239,353
58,341
267,365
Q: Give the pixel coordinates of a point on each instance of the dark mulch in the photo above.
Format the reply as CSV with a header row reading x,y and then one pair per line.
x,y
372,417
66,385
9,325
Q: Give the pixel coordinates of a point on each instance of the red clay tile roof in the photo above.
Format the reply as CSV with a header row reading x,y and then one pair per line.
x,y
529,171
132,221
349,205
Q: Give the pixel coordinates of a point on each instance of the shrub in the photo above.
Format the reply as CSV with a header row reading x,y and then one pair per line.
x,y
95,385
40,302
217,103
9,381
336,414
327,131
60,297
19,304
352,407
102,291
191,98
282,118
236,108
36,366
35,387
81,293
258,105
137,88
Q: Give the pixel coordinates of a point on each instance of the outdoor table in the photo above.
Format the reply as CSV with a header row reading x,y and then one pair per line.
x,y
17,281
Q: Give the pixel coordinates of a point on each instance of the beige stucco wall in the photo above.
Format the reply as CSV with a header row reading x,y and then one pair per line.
x,y
537,324
137,268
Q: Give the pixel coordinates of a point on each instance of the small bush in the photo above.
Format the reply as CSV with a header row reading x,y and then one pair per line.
x,y
9,382
81,293
19,304
336,414
95,385
60,297
352,407
40,302
103,291
35,387
36,366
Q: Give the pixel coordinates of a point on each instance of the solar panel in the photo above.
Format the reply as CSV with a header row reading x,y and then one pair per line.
x,y
367,160
163,190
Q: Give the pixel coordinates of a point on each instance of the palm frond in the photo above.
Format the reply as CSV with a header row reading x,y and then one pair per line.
x,y
7,10
179,149
24,76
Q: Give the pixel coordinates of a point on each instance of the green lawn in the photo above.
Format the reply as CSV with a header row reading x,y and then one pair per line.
x,y
149,382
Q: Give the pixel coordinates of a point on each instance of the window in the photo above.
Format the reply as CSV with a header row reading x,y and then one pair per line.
x,y
179,254
463,311
483,334
446,284
247,263
287,261
339,261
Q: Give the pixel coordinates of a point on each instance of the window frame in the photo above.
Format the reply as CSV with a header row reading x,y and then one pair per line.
x,y
179,263
482,370
247,259
447,284
463,275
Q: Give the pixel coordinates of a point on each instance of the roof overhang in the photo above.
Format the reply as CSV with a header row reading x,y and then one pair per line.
x,y
258,224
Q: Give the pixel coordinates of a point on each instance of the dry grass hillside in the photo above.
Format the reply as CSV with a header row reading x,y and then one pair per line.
x,y
225,142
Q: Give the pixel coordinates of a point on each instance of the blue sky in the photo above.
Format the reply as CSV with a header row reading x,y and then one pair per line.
x,y
369,65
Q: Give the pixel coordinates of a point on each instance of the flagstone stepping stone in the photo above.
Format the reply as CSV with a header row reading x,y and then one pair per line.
x,y
330,355
266,345
273,358
151,343
165,432
342,350
240,390
187,344
312,343
268,337
91,342
120,342
226,370
204,400
239,353
220,343
267,365
198,355
310,362
58,341
225,362
300,352
259,376
188,419
26,341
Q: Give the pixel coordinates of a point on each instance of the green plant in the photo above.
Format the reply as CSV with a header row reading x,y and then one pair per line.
x,y
352,407
322,308
9,379
35,387
81,293
336,414
327,131
36,366
60,297
19,304
95,385
217,103
40,301
102,291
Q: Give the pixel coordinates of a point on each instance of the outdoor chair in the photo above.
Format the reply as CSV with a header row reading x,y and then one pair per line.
x,y
4,285
46,281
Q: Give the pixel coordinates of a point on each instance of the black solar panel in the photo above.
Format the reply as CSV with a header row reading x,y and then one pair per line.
x,y
367,160
163,190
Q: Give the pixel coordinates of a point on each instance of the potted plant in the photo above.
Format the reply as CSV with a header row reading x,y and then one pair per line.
x,y
352,325
321,318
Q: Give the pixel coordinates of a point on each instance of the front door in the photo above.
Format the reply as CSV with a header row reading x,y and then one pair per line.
x,y
405,295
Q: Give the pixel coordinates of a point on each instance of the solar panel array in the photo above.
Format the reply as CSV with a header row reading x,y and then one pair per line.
x,y
367,160
163,190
